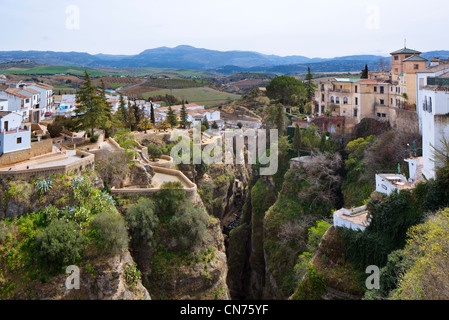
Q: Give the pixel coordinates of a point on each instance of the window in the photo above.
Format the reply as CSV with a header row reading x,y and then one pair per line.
x,y
345,100
396,58
337,101
382,101
391,101
382,90
396,70
322,98
19,140
332,99
375,89
355,112
355,89
416,67
356,101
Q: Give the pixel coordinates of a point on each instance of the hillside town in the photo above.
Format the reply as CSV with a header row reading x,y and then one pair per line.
x,y
347,144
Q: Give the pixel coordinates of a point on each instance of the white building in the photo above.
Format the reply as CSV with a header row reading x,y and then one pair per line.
x,y
355,219
388,183
433,109
3,105
36,112
45,95
18,103
13,136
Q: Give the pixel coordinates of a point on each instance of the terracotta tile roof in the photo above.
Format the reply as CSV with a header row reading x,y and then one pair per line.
x,y
4,113
43,86
31,90
14,92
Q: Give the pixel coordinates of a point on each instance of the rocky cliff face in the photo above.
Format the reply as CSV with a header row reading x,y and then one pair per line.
x,y
201,276
100,279
340,277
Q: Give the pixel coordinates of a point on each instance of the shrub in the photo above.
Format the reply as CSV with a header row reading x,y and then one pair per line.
x,y
154,152
94,139
55,129
312,287
169,198
110,232
132,274
190,227
59,245
142,222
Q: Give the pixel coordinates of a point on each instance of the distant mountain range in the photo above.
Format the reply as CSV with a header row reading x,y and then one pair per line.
x,y
188,57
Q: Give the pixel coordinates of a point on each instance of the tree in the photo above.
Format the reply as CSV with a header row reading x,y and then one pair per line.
x,y
145,124
55,129
297,139
90,113
109,231
142,222
107,121
190,225
61,244
215,125
286,90
280,119
154,152
365,73
123,112
152,118
206,123
183,116
383,65
172,118
309,85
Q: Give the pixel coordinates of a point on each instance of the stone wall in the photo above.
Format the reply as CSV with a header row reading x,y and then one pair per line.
x,y
190,189
37,149
78,167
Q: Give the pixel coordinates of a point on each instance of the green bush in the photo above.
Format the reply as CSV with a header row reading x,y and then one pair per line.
x,y
170,198
189,226
142,222
132,274
109,230
61,244
94,139
154,152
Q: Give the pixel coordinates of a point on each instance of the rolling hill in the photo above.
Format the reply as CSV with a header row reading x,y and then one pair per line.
x,y
188,57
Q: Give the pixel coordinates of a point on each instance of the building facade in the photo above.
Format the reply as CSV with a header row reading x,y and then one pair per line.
x,y
13,136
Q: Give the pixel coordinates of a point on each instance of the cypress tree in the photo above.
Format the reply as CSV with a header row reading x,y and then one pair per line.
x,y
152,119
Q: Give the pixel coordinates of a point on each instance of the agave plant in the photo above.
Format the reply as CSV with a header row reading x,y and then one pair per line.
x,y
44,185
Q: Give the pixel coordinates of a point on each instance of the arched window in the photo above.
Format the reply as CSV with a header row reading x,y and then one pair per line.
x,y
332,99
337,100
345,100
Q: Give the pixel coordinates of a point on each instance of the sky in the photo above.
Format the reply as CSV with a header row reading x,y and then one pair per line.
x,y
282,27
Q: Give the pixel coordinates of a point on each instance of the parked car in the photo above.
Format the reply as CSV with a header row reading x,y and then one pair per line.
x,y
48,114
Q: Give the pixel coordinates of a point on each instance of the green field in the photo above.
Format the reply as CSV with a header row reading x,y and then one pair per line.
x,y
52,70
204,95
